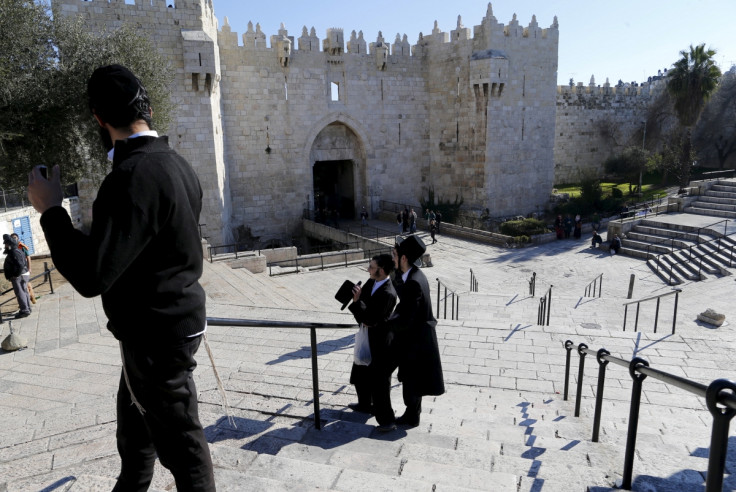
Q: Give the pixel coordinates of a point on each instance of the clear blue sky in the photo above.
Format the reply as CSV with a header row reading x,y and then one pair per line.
x,y
618,39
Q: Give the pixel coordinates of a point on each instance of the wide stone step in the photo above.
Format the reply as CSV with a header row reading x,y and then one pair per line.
x,y
668,242
666,233
710,212
714,199
664,271
729,207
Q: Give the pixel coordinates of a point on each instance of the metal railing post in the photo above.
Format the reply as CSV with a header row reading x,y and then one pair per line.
x,y
568,348
549,303
51,282
46,272
438,297
602,363
636,319
445,299
656,315
719,434
674,316
581,368
315,376
633,420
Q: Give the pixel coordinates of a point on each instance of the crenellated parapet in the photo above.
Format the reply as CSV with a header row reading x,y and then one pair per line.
x,y
580,92
490,34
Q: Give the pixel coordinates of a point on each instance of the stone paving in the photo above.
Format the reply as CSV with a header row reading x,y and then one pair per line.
x,y
502,425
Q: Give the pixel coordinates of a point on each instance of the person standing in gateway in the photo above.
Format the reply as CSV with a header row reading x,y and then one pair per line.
x,y
143,256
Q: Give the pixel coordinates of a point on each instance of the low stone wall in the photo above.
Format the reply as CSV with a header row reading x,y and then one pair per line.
x,y
323,232
254,263
456,231
280,254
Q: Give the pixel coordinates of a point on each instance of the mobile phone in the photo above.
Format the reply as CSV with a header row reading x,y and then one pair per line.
x,y
44,171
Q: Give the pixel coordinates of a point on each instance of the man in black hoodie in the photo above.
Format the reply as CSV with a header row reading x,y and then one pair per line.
x,y
143,256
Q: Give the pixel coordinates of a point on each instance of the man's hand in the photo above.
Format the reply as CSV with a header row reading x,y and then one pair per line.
x,y
44,193
356,293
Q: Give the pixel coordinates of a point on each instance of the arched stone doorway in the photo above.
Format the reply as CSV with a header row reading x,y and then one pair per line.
x,y
338,170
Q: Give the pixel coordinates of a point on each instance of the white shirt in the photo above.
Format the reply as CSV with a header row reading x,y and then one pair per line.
x,y
377,285
405,275
144,133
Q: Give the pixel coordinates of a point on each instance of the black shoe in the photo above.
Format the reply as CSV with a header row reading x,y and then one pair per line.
x,y
22,314
386,427
408,421
357,407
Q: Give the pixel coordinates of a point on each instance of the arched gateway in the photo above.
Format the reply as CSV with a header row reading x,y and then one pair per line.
x,y
338,161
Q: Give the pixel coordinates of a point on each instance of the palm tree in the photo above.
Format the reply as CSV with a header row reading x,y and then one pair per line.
x,y
690,83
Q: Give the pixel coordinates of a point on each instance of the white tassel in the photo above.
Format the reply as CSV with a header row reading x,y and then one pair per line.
x,y
220,387
133,399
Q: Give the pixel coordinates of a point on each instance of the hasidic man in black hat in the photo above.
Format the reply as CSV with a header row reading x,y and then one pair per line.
x,y
143,255
372,305
414,346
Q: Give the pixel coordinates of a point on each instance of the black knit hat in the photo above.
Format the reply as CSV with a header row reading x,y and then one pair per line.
x,y
117,96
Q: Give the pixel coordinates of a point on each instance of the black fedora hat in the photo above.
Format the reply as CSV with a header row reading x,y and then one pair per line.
x,y
412,247
345,293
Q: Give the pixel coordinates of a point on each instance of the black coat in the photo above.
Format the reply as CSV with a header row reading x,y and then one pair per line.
x,y
414,347
373,311
15,263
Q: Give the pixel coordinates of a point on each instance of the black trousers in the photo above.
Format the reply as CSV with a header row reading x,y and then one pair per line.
x,y
161,379
373,387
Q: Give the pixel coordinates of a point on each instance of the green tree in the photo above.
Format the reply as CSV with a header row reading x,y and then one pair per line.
x,y
690,82
714,136
631,163
44,69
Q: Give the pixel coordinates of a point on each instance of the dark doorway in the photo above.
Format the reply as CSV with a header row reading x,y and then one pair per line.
x,y
333,187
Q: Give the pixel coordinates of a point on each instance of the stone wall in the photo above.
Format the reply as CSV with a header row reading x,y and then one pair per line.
x,y
469,112
40,247
186,32
594,123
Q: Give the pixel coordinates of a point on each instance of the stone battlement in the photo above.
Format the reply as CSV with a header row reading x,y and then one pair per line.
x,y
489,32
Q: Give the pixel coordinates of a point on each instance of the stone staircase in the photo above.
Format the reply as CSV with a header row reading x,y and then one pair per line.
x,y
718,201
678,253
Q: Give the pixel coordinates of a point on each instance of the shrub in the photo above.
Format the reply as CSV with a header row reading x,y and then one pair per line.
x,y
526,227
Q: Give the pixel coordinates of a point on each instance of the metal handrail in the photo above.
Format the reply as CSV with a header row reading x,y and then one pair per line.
x,y
638,302
545,308
376,233
290,324
691,257
473,282
455,306
46,274
718,394
590,288
643,206
367,255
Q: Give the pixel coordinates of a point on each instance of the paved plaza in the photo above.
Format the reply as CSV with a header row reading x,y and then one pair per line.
x,y
502,425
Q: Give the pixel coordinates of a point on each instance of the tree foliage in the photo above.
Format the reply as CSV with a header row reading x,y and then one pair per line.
x,y
449,210
690,83
630,163
714,136
43,75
